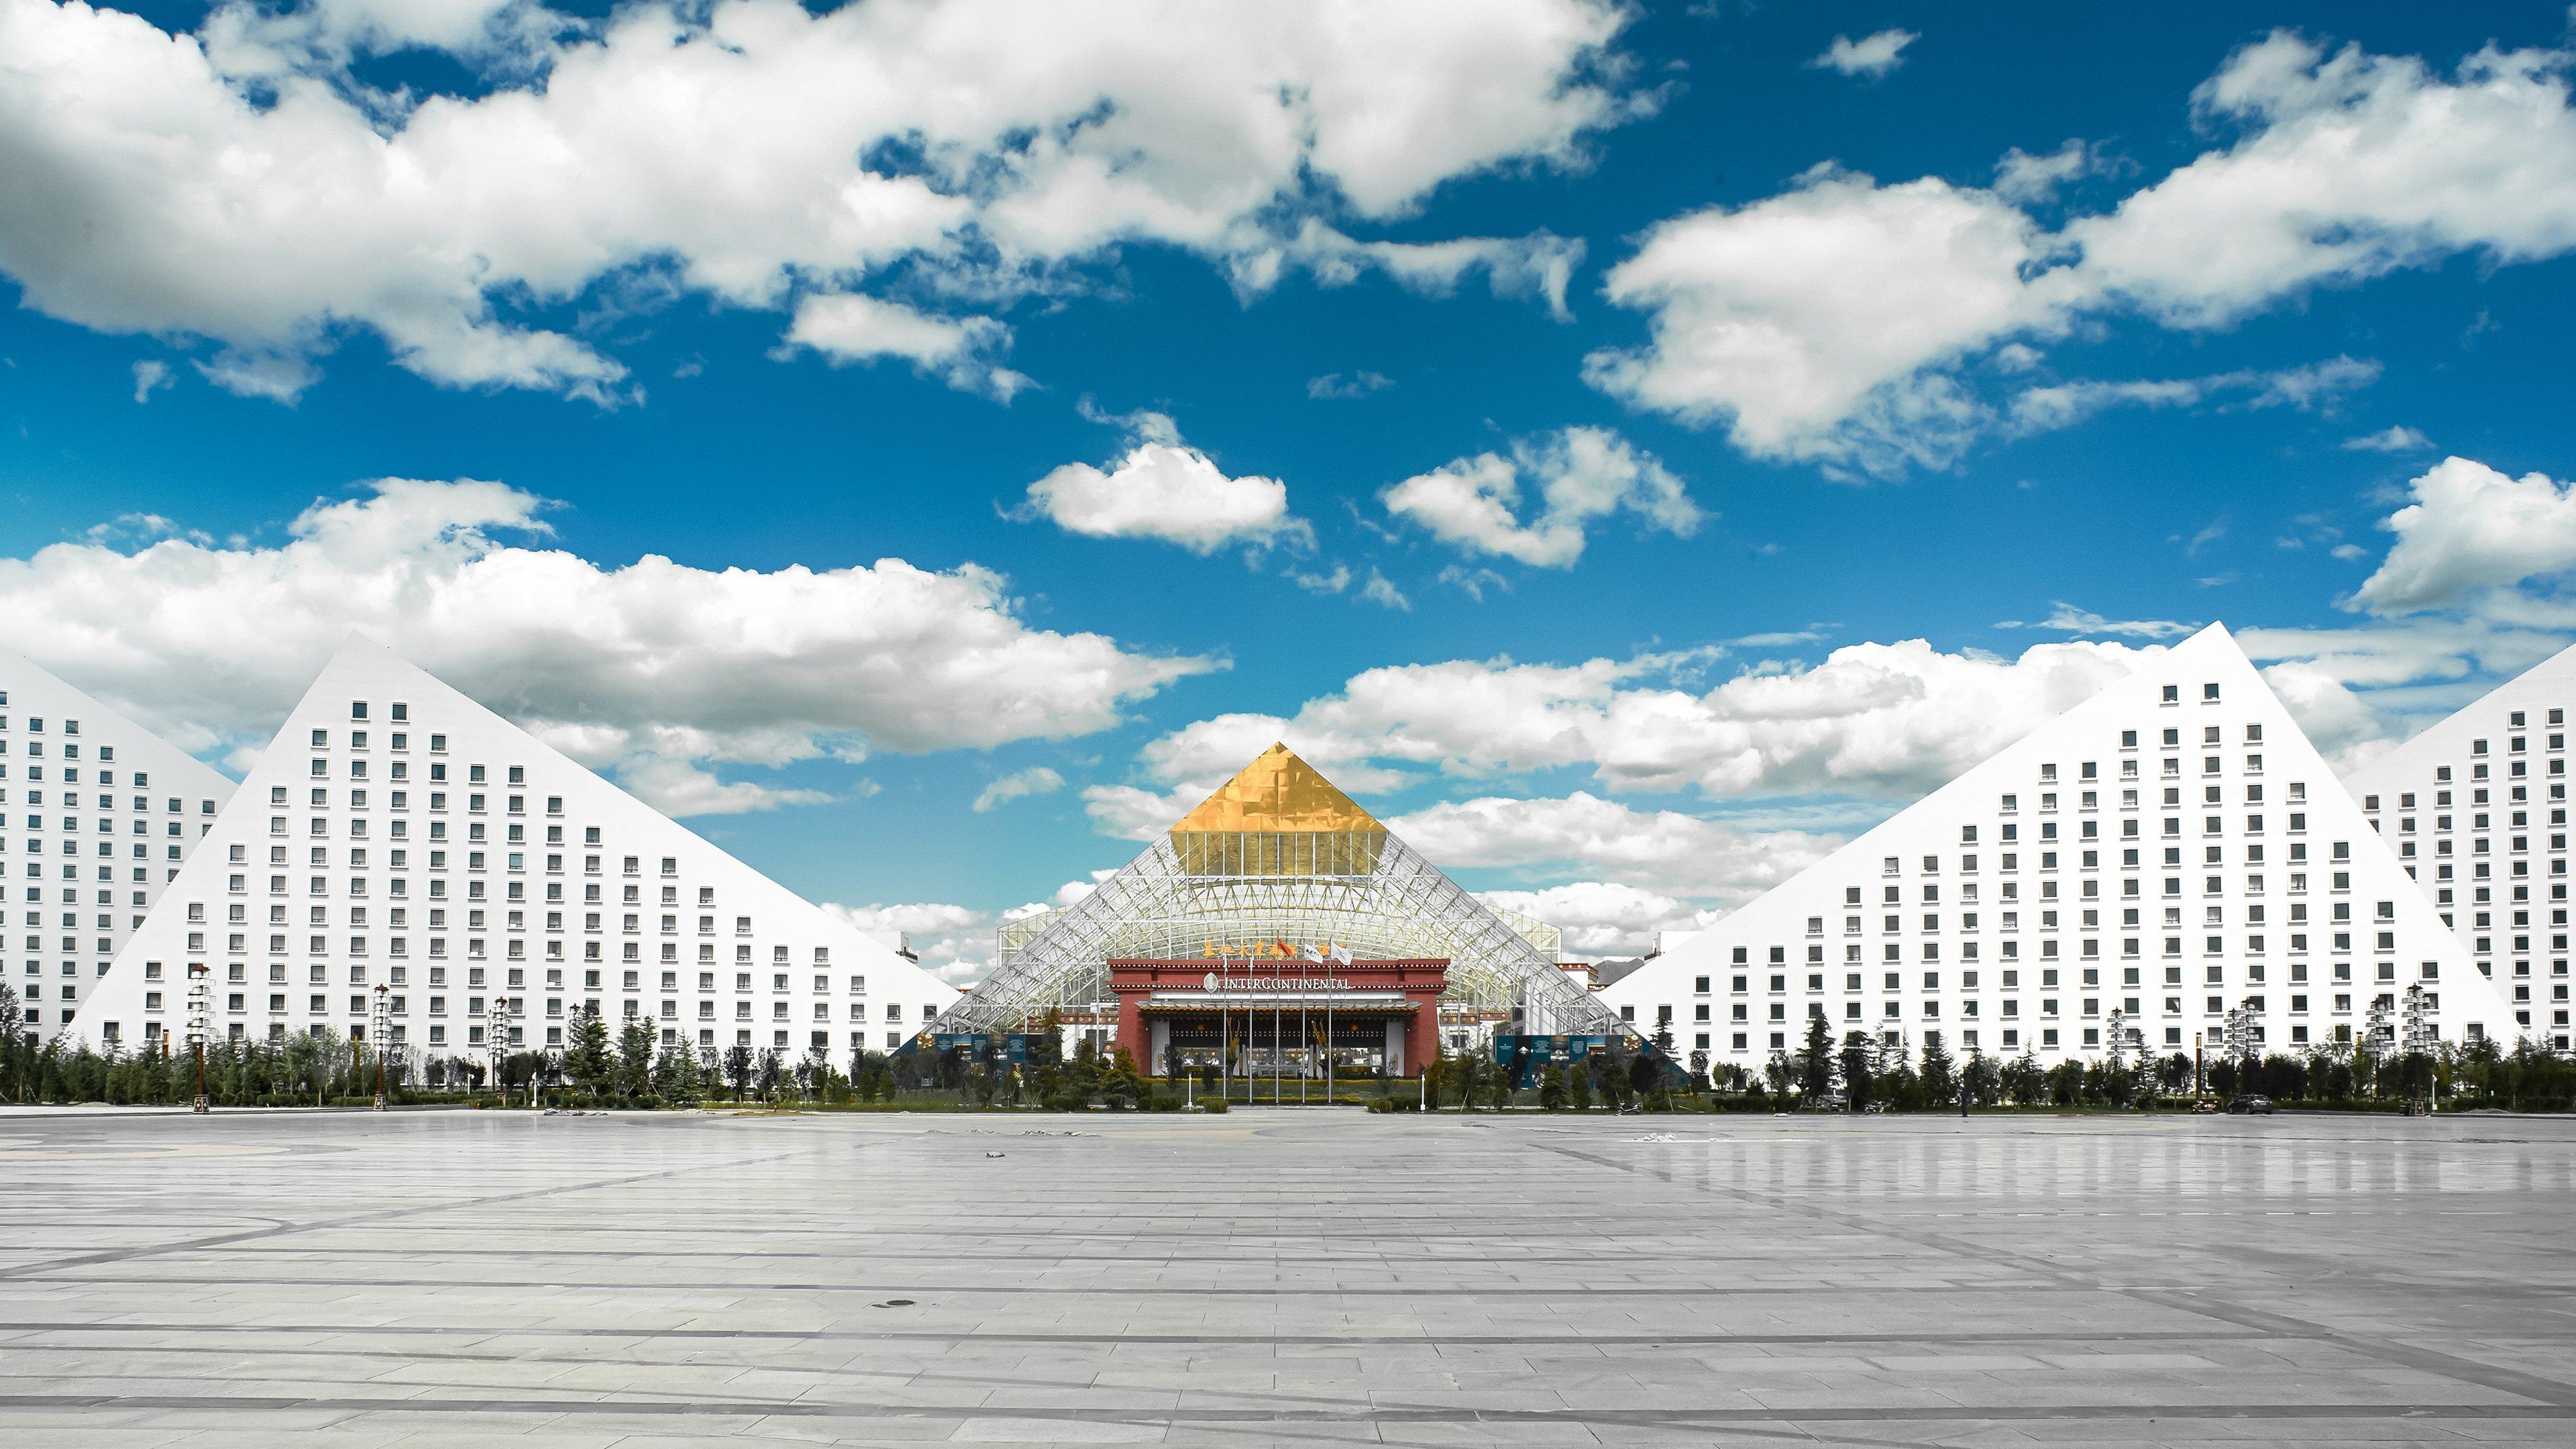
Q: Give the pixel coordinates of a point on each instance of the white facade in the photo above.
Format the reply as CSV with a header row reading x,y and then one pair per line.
x,y
97,815
2166,853
399,840
2475,808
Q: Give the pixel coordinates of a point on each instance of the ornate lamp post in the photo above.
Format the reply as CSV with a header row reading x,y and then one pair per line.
x,y
500,1045
2419,1036
381,1029
201,998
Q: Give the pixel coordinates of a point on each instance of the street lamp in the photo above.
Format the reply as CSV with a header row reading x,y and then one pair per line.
x,y
2418,1029
201,999
382,1030
500,1044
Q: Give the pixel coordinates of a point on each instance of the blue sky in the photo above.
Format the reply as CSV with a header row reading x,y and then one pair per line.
x,y
1559,420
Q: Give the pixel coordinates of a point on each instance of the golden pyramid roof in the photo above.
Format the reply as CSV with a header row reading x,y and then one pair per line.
x,y
1277,792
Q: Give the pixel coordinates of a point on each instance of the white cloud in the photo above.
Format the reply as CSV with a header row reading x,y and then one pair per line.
x,y
2350,166
1871,55
678,788
2027,180
1473,582
1165,489
1130,813
1603,920
2471,528
243,185
650,667
1661,850
1381,590
955,943
1322,583
1333,385
1539,265
1881,721
849,327
2316,385
1835,323
1806,322
246,40
1036,780
150,377
1583,474
2396,438
2070,619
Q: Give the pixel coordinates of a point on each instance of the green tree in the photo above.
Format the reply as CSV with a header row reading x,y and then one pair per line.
x,y
1939,1087
676,1076
1983,1079
586,1057
14,1055
635,1052
1855,1059
1816,1061
738,1068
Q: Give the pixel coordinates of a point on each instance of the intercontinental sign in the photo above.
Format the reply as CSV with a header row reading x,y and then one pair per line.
x,y
1214,982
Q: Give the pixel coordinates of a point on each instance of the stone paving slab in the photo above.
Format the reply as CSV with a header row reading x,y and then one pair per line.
x,y
633,1282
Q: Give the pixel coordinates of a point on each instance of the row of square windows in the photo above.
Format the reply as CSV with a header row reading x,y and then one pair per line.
x,y
2092,1038
319,1005
112,1032
514,977
2131,1007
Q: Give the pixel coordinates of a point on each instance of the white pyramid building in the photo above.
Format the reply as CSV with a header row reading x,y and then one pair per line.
x,y
398,835
97,815
2475,808
2171,851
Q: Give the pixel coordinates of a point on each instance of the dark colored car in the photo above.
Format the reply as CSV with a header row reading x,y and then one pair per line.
x,y
2250,1106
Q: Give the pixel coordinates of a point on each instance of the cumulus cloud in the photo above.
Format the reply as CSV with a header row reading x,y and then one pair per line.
x,y
1880,721
1163,488
1538,266
652,669
1661,850
2066,617
1836,322
1036,780
849,327
2351,166
2315,386
1382,591
1333,385
1582,474
955,943
150,376
2027,180
243,184
1871,56
2396,438
2470,528
1807,323
1603,919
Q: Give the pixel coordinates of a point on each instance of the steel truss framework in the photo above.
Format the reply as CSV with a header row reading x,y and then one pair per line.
x,y
1402,908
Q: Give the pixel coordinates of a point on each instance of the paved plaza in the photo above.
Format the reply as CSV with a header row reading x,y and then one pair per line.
x,y
1281,1277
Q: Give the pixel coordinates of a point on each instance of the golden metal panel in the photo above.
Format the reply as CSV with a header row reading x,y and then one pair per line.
x,y
1277,793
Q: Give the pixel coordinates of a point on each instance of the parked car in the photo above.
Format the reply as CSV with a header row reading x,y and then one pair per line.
x,y
2203,1104
2251,1106
1873,1109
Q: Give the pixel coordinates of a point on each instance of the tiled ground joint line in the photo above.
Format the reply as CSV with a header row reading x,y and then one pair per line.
x,y
219,1240
1159,1414
2544,1391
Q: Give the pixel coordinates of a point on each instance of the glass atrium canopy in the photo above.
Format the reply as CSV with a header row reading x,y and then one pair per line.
x,y
1276,863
